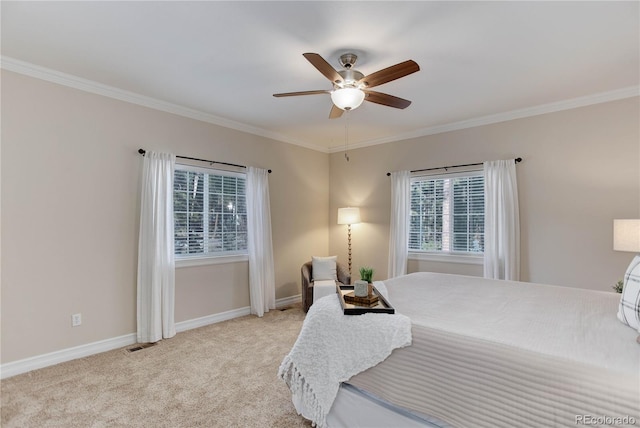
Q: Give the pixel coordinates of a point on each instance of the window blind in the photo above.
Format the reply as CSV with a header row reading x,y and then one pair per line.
x,y
447,213
210,212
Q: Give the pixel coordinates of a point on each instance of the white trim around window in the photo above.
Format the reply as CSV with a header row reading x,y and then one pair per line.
x,y
463,258
208,255
443,215
210,260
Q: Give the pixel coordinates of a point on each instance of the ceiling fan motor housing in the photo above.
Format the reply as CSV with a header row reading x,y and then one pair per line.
x,y
350,78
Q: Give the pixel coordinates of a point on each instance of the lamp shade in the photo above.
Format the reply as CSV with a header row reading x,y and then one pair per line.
x,y
348,215
347,98
626,235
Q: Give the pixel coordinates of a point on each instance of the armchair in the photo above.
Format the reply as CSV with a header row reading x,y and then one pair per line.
x,y
307,283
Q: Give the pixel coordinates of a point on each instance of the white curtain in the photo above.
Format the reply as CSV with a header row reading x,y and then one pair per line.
x,y
501,221
262,289
156,265
399,225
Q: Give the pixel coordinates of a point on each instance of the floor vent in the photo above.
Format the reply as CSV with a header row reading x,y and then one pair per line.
x,y
141,346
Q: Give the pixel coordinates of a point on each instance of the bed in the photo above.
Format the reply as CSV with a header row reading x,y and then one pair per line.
x,y
481,353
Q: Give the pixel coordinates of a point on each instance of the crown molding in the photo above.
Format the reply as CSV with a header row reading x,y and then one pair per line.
x,y
47,74
50,75
602,97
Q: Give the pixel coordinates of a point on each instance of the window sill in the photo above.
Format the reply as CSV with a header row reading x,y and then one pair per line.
x,y
448,258
217,260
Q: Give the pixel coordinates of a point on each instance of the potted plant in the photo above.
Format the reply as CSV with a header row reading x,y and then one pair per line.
x,y
366,277
366,274
618,286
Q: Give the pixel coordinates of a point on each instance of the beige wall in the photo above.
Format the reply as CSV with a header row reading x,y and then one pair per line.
x,y
581,170
70,208
70,177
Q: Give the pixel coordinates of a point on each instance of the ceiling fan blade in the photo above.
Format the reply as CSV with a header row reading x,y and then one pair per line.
x,y
294,94
390,73
323,67
386,99
335,112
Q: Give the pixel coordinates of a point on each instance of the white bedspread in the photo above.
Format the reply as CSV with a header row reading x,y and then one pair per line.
x,y
333,347
488,353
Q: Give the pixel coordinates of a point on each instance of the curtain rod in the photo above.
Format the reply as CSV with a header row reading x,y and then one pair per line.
x,y
452,166
143,151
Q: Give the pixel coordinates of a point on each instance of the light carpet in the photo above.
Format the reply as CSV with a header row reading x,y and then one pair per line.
x,y
222,375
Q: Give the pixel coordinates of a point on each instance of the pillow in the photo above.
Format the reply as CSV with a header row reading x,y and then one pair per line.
x,y
324,268
629,308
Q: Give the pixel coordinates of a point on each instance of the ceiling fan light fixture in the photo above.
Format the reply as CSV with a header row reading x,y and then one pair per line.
x,y
347,98
351,87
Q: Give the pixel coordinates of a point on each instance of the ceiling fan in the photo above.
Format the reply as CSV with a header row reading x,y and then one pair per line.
x,y
351,87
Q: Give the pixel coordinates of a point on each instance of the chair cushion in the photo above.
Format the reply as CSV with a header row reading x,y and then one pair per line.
x,y
323,268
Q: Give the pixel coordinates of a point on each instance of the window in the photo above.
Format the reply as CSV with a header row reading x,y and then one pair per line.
x,y
210,212
447,214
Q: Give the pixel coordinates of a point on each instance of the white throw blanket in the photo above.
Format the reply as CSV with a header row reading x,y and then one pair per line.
x,y
333,347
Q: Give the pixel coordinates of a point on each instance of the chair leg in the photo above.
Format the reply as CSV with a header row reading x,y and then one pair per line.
x,y
308,301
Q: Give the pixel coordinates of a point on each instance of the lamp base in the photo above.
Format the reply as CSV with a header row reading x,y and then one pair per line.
x,y
349,240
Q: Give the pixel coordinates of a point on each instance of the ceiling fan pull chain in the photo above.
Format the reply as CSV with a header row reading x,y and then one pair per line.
x,y
346,136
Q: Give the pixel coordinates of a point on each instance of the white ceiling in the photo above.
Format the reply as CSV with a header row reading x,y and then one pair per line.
x,y
480,61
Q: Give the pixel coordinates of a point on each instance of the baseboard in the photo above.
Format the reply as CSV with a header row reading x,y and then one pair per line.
x,y
286,301
224,316
40,361
211,319
57,357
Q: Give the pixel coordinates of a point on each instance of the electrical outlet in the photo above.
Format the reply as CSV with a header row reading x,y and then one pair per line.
x,y
76,320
